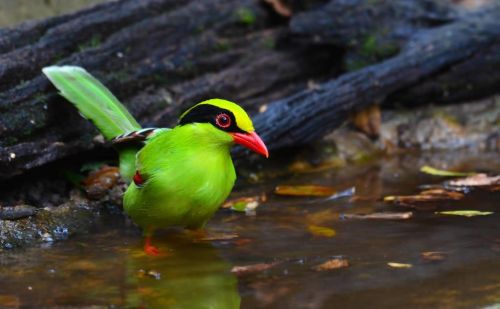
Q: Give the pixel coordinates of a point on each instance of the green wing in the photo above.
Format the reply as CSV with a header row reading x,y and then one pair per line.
x,y
93,100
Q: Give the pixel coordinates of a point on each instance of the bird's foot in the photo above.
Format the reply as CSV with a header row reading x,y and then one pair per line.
x,y
149,249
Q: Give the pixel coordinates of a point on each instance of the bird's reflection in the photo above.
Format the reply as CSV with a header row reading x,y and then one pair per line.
x,y
192,275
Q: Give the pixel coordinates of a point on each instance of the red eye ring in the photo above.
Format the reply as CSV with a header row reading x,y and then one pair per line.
x,y
223,121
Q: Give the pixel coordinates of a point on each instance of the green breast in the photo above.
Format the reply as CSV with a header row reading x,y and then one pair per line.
x,y
188,172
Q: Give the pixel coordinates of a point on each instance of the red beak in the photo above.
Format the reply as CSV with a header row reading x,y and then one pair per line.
x,y
252,141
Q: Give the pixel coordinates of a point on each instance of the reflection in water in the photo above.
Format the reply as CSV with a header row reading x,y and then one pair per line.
x,y
189,277
90,273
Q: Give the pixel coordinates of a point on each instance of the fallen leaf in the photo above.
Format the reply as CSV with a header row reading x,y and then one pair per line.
x,y
242,241
9,301
321,231
306,167
478,180
399,265
432,195
253,268
367,198
379,216
465,213
306,190
437,172
280,7
99,182
332,264
215,237
243,204
433,256
368,120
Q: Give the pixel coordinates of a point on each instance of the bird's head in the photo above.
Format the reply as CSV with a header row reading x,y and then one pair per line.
x,y
228,117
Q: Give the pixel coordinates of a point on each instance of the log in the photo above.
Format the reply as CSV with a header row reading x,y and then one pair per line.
x,y
155,56
310,114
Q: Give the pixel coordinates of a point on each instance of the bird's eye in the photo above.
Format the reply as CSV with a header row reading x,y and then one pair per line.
x,y
223,121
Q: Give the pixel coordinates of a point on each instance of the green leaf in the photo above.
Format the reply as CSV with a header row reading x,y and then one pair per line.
x,y
321,231
436,172
465,213
306,190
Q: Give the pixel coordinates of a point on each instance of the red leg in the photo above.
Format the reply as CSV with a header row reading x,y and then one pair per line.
x,y
150,249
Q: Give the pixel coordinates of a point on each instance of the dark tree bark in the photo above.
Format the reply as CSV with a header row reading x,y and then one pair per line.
x,y
430,56
158,56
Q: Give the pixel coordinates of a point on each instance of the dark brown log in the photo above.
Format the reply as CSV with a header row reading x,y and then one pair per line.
x,y
160,56
310,114
370,30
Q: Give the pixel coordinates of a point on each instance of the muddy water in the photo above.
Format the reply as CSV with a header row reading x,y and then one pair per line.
x,y
107,267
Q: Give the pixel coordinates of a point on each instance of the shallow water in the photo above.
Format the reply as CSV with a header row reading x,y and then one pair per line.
x,y
107,267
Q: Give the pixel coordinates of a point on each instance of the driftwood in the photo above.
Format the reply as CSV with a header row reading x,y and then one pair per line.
x,y
160,56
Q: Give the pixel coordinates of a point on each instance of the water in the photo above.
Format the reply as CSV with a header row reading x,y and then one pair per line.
x,y
107,267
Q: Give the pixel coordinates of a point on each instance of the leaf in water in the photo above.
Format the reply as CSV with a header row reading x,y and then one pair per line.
x,y
9,301
437,172
242,204
253,268
399,265
216,237
433,195
478,180
332,264
306,190
433,256
465,213
321,231
379,216
306,167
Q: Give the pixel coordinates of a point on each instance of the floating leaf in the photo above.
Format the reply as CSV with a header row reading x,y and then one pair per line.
x,y
243,204
332,264
9,301
433,256
253,268
379,216
465,213
437,172
321,231
306,190
306,167
478,180
433,195
399,265
203,236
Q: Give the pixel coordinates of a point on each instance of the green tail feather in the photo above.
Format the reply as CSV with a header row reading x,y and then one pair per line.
x,y
98,104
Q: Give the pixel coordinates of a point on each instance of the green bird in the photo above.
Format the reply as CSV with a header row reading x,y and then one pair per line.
x,y
179,176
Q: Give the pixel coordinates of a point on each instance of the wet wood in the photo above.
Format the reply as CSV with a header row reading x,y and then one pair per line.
x,y
426,55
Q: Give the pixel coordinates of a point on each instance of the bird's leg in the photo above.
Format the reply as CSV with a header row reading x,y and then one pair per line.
x,y
149,249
